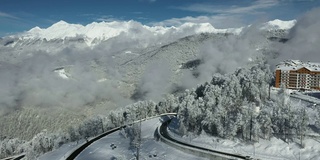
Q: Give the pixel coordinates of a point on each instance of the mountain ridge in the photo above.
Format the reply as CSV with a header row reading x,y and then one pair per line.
x,y
96,32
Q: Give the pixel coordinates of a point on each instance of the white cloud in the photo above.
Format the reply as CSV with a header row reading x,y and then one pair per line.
x,y
218,21
107,18
233,9
223,16
254,7
6,15
304,39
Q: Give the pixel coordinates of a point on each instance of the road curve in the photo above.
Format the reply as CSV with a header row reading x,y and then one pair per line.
x,y
163,134
205,152
77,151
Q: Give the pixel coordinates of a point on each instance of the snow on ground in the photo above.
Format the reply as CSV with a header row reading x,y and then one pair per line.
x,y
106,30
308,96
307,99
278,24
60,153
275,149
150,148
102,149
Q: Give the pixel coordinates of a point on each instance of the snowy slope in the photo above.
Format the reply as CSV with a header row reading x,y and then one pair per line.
x,y
149,147
101,31
122,58
101,72
102,149
106,30
273,149
279,24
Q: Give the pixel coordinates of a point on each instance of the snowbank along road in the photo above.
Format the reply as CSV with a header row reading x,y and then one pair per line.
x,y
201,151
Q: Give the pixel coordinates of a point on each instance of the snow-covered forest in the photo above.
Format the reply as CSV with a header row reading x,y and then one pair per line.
x,y
230,106
238,106
48,105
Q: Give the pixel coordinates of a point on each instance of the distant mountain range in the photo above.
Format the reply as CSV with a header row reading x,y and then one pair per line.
x,y
92,34
101,66
124,51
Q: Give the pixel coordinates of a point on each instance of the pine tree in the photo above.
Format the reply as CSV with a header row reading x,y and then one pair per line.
x,y
304,121
265,124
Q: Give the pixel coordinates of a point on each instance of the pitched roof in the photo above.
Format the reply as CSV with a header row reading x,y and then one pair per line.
x,y
297,64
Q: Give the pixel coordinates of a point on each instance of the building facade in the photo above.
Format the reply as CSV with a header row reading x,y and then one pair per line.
x,y
294,74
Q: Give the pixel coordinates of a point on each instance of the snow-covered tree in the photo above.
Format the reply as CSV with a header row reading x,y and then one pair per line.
x,y
10,147
317,120
302,124
265,124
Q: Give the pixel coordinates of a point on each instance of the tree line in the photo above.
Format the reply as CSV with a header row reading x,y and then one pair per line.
x,y
230,106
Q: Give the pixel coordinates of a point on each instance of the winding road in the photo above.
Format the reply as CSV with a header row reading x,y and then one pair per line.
x,y
77,151
201,151
164,136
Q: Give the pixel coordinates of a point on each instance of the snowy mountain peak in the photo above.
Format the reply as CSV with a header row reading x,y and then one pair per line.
x,y
279,24
95,32
107,30
61,23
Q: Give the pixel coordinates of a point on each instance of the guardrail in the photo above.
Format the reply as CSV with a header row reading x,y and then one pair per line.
x,y
16,157
164,136
77,151
306,98
192,149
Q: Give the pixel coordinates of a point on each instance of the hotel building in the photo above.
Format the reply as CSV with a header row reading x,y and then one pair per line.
x,y
295,74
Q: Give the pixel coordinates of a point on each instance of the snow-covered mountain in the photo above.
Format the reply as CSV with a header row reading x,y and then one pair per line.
x,y
111,63
279,24
102,31
96,32
126,52
127,47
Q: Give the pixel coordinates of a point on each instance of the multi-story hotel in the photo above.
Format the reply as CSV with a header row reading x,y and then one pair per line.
x,y
295,74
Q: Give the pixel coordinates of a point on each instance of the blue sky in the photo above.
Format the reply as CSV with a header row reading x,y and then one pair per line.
x,y
21,15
